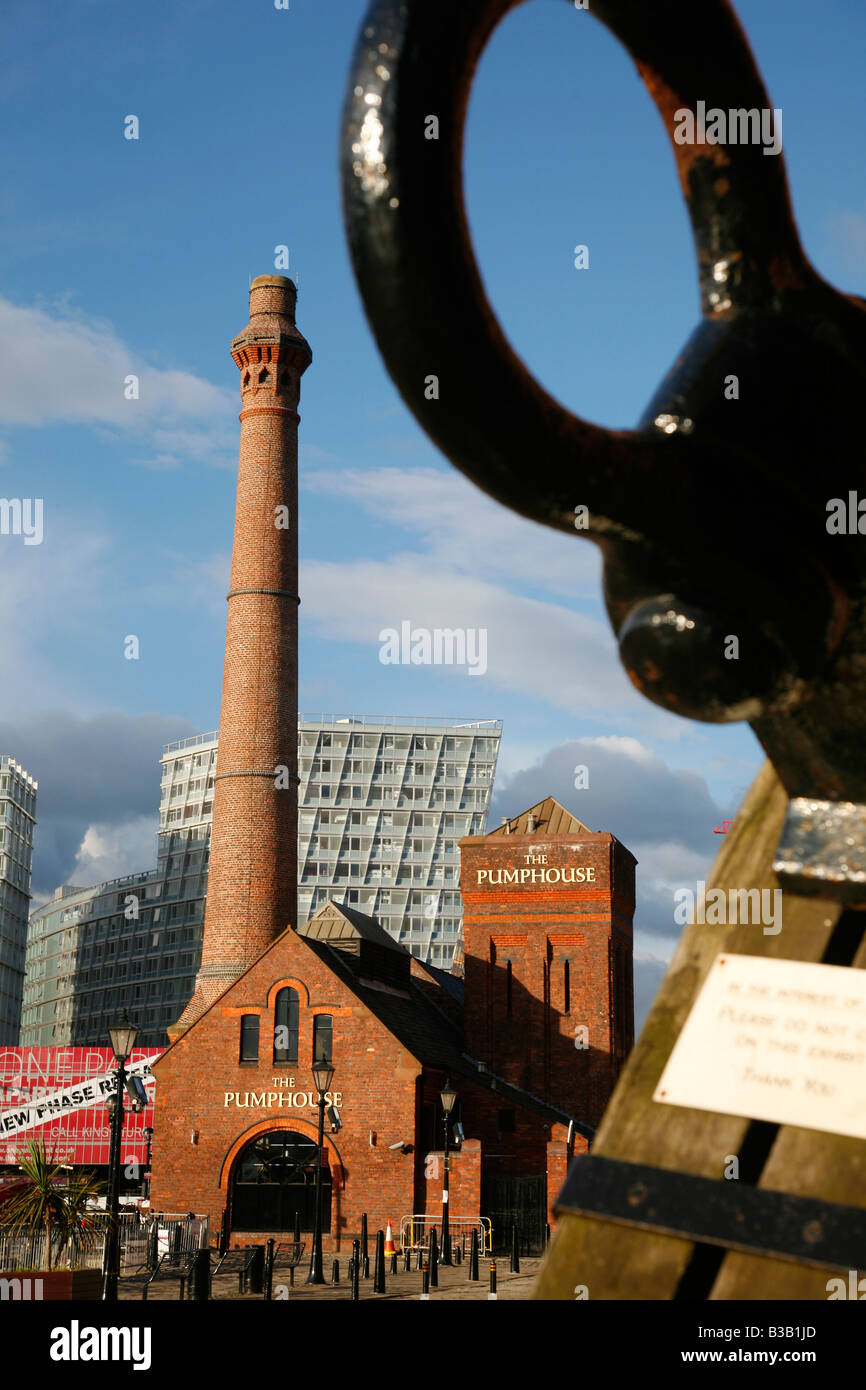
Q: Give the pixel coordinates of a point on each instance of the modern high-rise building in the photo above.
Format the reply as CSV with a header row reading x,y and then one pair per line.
x,y
382,803
17,823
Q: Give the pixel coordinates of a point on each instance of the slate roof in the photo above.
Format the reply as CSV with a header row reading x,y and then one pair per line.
x,y
337,922
412,1017
551,818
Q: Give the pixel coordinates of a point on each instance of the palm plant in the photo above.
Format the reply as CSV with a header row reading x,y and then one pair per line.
x,y
50,1204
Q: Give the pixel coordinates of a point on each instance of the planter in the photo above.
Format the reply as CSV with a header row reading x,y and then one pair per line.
x,y
33,1285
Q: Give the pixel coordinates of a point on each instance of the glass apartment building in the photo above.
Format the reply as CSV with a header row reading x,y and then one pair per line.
x,y
382,804
17,823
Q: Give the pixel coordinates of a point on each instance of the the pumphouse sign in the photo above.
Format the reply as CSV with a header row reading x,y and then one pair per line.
x,y
540,872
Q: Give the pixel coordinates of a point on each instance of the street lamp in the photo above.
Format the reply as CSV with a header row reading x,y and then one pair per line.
x,y
147,1162
447,1096
323,1074
122,1035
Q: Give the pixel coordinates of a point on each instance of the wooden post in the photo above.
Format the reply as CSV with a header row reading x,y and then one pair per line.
x,y
622,1262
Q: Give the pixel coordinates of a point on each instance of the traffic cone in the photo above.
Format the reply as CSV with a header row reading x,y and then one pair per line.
x,y
390,1248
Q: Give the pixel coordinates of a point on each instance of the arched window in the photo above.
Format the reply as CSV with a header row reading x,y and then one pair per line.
x,y
264,376
274,1184
249,1038
286,1026
323,1038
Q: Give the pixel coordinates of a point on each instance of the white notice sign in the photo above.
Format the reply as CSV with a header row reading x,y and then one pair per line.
x,y
781,1040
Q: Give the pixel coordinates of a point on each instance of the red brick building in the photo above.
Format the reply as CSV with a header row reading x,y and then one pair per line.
x,y
236,1114
531,1040
547,924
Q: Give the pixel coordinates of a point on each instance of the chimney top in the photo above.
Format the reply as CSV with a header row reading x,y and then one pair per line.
x,y
273,294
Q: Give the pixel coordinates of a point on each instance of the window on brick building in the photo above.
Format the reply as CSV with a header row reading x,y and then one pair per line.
x,y
323,1038
506,1121
286,1026
249,1038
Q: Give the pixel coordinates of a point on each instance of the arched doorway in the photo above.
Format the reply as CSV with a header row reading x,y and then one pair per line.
x,y
275,1180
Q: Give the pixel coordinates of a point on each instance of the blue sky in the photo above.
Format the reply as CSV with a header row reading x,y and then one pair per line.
x,y
122,256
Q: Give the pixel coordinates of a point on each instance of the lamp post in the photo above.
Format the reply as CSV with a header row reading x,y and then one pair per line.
x,y
122,1035
147,1162
447,1096
322,1075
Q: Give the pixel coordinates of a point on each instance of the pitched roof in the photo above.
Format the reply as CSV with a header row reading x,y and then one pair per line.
x,y
550,819
425,1031
334,933
335,922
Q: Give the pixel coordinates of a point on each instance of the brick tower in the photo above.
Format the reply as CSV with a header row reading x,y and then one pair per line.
x,y
547,924
252,877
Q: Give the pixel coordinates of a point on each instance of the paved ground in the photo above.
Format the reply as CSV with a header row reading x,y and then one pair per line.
x,y
453,1284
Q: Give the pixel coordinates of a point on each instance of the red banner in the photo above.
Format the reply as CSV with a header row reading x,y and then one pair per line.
x,y
81,1134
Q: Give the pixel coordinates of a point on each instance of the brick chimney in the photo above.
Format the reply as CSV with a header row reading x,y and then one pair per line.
x,y
252,876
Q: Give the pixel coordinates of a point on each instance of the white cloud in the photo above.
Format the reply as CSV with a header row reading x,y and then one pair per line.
x,y
466,531
534,647
112,851
98,790
49,593
61,367
665,816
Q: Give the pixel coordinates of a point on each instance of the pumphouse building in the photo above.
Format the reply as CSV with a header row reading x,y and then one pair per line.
x,y
531,1038
530,1025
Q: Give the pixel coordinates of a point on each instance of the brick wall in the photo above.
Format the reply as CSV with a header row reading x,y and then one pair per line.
x,y
546,959
375,1078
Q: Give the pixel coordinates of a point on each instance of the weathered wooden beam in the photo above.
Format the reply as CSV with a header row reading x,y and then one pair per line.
x,y
622,1263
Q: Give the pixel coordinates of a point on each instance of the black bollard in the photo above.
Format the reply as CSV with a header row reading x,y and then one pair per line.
x,y
201,1276
515,1250
394,1262
434,1260
425,1280
269,1269
176,1240
366,1266
458,1253
473,1257
224,1232
153,1245
256,1271
407,1261
356,1260
365,1249
379,1270
420,1258
493,1293
335,1272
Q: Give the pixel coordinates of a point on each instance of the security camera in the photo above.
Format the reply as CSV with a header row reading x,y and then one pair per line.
x,y
401,1144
